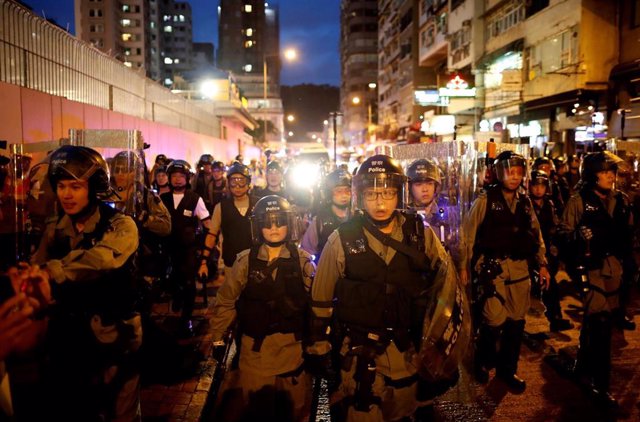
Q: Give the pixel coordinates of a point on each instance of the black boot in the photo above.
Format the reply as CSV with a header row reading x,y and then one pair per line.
x,y
582,365
600,361
486,353
509,354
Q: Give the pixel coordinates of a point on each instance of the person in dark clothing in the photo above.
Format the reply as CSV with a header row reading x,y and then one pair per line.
x,y
202,181
275,181
546,165
539,187
597,230
188,213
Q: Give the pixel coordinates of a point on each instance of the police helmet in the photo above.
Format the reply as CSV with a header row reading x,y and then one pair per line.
x,y
218,165
275,166
336,178
595,162
205,159
539,177
423,170
380,171
80,163
544,161
179,166
269,210
560,161
125,161
161,159
507,159
239,168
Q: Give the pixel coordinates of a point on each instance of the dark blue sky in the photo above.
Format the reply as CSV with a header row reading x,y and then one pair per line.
x,y
311,26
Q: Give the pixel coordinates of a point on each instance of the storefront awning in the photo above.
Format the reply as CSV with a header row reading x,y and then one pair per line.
x,y
488,58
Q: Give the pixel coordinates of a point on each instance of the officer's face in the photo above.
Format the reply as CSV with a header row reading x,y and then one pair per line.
x,y
206,168
341,195
178,180
512,177
274,233
606,179
423,192
238,185
380,203
538,191
217,174
122,176
274,178
73,195
162,178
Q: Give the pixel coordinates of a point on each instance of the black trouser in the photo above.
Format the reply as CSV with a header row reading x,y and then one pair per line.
x,y
594,355
184,263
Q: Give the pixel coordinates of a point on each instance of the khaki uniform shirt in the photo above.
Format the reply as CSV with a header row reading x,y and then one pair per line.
x,y
111,252
280,353
331,268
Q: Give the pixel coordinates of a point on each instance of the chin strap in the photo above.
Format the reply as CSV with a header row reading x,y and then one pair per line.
x,y
275,244
381,224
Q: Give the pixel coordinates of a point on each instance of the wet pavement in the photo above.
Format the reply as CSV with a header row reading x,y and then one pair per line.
x,y
549,396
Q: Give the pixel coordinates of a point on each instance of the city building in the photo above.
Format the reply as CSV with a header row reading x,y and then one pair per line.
x,y
249,38
359,69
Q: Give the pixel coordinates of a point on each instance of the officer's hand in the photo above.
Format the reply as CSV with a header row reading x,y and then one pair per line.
x,y
464,276
585,232
319,366
203,271
219,349
545,278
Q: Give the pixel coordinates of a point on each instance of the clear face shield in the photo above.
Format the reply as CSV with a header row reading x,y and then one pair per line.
x,y
370,187
512,173
275,224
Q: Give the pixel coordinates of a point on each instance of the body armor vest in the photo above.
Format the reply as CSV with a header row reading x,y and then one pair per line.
x,y
503,233
545,214
184,221
611,234
236,230
219,192
112,294
326,223
269,306
380,298
203,187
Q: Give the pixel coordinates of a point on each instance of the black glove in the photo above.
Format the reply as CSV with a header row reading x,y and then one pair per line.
x,y
319,366
219,350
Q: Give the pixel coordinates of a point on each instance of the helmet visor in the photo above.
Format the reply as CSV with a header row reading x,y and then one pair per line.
x,y
382,184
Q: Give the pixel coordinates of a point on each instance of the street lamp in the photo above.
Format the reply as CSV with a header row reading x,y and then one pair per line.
x,y
290,54
291,118
334,119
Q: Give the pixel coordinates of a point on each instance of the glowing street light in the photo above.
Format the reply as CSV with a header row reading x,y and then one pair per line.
x,y
290,54
208,89
291,118
355,100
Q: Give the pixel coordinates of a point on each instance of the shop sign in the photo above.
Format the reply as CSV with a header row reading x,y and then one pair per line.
x,y
511,80
429,97
457,87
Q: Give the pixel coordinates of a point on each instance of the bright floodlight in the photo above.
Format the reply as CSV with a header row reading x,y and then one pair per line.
x,y
355,100
291,118
208,89
290,54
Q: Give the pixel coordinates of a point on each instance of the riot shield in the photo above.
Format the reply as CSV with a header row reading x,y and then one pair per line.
x,y
124,152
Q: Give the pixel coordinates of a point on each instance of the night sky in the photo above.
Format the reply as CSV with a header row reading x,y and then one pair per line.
x,y
311,26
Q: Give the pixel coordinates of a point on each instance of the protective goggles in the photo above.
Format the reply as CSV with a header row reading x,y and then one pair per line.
x,y
268,221
238,183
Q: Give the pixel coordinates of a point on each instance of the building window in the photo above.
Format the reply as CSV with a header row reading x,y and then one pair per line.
x,y
168,28
249,32
248,44
248,8
128,64
166,18
168,81
247,67
182,19
96,28
127,51
152,25
176,61
127,37
553,54
506,18
168,60
98,42
125,22
126,8
95,13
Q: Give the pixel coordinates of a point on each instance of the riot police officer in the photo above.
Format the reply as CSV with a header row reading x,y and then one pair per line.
x,y
268,289
93,331
275,181
202,181
231,219
501,235
188,213
424,186
539,188
547,165
597,225
334,211
376,270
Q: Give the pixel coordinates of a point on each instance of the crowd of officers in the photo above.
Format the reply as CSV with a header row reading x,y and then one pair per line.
x,y
339,289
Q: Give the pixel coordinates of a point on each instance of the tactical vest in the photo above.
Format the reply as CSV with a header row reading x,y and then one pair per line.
x,y
503,233
202,188
545,214
184,221
219,192
611,235
373,297
267,306
326,223
112,294
236,230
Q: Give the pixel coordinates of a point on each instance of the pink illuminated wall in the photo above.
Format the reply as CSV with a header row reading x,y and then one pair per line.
x,y
32,116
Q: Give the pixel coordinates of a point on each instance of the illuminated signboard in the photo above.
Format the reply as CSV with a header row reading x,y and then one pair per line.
x,y
457,87
429,97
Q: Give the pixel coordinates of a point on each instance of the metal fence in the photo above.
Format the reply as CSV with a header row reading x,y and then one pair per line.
x,y
39,55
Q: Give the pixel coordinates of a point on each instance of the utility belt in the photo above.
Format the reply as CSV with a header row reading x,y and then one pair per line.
x,y
377,339
258,339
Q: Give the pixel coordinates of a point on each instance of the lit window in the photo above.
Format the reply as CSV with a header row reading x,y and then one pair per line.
x,y
166,18
176,61
182,18
168,81
248,44
152,25
248,8
168,60
249,32
126,37
127,51
126,8
126,22
128,64
168,28
248,67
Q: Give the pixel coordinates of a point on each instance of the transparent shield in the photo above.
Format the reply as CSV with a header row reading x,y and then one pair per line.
x,y
124,152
